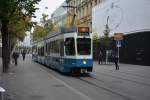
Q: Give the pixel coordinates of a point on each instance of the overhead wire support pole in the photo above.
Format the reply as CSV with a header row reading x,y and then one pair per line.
x,y
74,15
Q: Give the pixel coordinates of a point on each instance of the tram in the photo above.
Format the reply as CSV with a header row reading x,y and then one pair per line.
x,y
68,51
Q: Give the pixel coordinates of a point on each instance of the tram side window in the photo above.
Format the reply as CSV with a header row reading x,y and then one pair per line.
x,y
61,48
39,51
48,48
42,51
47,52
70,46
34,50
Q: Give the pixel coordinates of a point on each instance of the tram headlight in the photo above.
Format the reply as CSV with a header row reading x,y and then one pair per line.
x,y
84,62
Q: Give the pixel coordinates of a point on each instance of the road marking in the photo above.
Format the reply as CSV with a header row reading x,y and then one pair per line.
x,y
71,88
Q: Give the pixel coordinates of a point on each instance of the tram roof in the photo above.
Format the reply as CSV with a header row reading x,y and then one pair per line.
x,y
63,30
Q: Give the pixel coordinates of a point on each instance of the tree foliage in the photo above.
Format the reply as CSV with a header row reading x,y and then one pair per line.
x,y
14,15
106,41
45,26
95,37
17,14
39,32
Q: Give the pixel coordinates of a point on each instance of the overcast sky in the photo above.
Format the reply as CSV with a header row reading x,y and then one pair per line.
x,y
52,5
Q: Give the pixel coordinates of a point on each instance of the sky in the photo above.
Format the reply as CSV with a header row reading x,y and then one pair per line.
x,y
52,6
123,16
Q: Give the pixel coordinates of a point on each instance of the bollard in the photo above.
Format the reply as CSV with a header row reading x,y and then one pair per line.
x,y
2,91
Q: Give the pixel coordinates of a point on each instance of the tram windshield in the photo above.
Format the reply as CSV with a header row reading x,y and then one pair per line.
x,y
84,46
70,46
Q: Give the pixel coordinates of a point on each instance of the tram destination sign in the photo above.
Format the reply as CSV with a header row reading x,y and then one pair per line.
x,y
83,31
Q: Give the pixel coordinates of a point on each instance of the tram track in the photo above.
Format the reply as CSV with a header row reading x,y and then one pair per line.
x,y
127,73
129,80
107,89
100,84
87,80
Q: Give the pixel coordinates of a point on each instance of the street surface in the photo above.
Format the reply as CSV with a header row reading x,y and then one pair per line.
x,y
32,81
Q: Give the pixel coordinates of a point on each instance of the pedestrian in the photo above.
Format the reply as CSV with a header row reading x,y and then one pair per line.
x,y
100,57
23,54
15,57
116,59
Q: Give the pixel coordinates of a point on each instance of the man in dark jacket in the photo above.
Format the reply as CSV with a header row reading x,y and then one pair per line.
x,y
23,54
15,56
115,59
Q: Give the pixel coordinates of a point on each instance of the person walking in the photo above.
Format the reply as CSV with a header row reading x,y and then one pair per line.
x,y
116,58
23,54
15,57
100,57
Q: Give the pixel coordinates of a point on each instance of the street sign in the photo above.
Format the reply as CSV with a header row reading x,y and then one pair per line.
x,y
118,36
118,44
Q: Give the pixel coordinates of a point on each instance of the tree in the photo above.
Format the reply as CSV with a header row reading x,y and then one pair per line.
x,y
10,12
105,41
39,32
95,37
46,23
43,29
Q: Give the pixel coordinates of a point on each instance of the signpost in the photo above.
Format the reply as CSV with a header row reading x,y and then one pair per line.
x,y
118,37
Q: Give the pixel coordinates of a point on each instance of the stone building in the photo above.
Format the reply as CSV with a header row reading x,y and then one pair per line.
x,y
83,11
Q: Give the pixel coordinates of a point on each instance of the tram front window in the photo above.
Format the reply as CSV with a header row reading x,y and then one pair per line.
x,y
69,46
84,46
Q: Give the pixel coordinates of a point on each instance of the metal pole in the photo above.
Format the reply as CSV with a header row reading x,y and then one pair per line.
x,y
2,91
106,57
118,55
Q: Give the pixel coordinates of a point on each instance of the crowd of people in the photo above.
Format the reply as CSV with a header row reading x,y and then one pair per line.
x,y
15,56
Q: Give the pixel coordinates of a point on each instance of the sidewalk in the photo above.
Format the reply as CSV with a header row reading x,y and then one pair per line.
x,y
28,81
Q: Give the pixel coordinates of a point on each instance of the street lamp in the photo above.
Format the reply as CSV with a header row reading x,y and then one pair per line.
x,y
107,29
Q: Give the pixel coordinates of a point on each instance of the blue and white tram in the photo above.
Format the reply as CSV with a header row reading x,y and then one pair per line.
x,y
67,51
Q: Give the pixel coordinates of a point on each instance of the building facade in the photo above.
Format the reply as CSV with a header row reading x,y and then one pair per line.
x,y
83,11
59,16
133,21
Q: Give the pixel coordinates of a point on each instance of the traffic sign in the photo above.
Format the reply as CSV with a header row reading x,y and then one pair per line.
x,y
118,44
118,36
